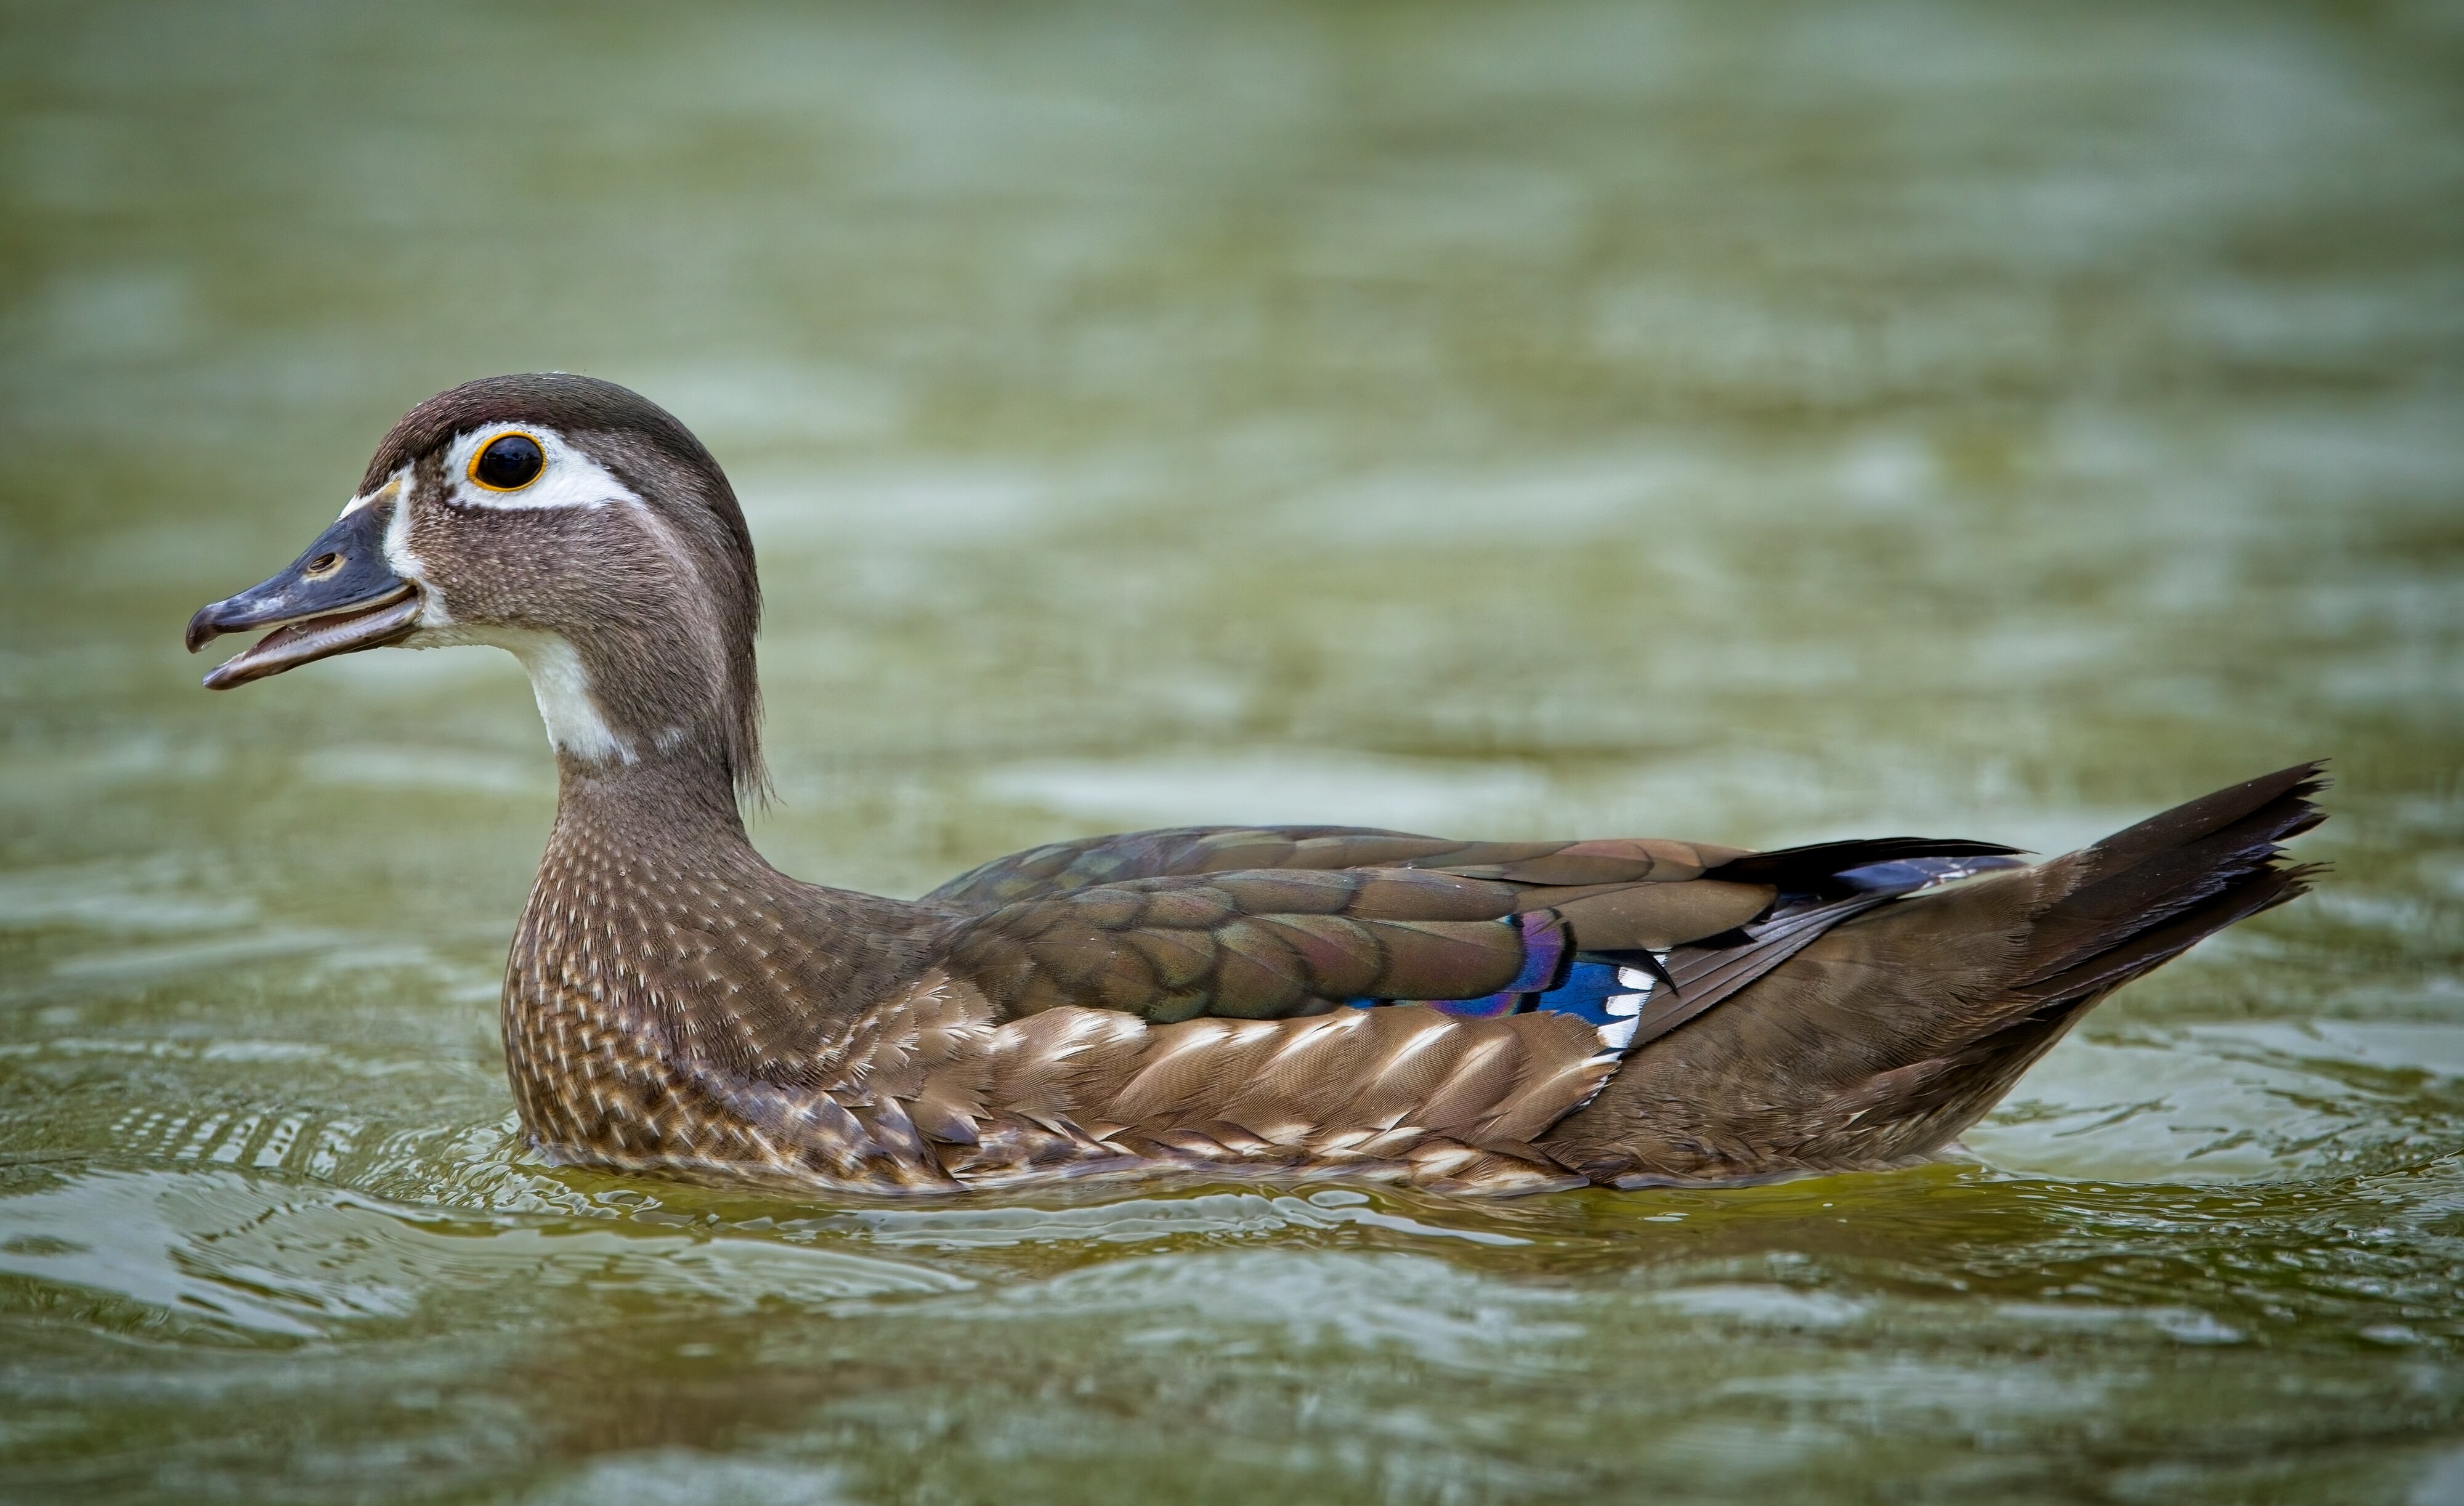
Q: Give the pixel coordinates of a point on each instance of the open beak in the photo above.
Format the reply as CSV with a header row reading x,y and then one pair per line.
x,y
338,598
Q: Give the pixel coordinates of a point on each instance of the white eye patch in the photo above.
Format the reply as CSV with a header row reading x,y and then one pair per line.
x,y
569,478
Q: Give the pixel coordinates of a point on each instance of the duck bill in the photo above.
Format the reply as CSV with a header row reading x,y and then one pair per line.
x,y
338,598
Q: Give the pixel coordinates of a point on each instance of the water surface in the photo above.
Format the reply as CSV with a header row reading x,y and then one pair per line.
x,y
1756,424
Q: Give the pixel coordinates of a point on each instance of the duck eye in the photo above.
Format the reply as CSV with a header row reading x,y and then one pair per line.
x,y
508,463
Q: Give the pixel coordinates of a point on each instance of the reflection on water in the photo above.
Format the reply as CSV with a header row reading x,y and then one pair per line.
x,y
1748,425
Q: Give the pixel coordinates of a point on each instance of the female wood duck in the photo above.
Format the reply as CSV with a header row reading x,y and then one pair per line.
x,y
1476,1016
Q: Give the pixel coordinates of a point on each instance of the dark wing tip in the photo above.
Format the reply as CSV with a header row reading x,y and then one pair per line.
x,y
1815,866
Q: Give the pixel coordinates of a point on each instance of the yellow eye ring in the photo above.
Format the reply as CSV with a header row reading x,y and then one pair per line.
x,y
507,462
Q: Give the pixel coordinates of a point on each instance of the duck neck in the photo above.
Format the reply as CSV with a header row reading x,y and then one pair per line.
x,y
660,954
675,803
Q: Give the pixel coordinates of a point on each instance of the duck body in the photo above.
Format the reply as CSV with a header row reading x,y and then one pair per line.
x,y
1466,1017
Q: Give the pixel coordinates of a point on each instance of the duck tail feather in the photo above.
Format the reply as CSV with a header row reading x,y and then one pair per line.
x,y
1956,1090
2134,886
1900,1026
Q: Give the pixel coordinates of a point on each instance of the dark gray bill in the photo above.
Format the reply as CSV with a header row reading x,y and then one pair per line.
x,y
339,597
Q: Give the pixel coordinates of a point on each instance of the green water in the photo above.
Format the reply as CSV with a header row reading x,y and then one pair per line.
x,y
1750,424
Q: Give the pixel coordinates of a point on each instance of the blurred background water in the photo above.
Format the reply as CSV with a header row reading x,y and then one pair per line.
x,y
1751,423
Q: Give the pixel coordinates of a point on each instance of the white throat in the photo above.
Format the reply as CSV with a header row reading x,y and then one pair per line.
x,y
559,683
561,686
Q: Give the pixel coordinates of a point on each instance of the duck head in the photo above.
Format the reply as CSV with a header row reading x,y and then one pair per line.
x,y
566,519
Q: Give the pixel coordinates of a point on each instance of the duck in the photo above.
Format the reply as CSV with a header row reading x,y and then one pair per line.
x,y
1474,1018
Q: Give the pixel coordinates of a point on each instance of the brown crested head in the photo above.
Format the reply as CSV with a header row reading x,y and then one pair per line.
x,y
567,519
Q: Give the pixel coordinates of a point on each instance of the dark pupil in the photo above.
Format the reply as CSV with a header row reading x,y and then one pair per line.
x,y
513,461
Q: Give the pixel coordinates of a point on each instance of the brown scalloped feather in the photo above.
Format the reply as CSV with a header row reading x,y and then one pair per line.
x,y
930,1091
1269,944
1243,944
1194,850
1655,916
